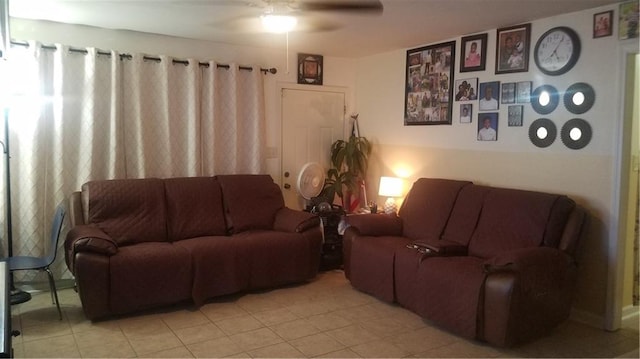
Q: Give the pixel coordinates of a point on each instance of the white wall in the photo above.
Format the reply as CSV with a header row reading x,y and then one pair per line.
x,y
337,71
452,151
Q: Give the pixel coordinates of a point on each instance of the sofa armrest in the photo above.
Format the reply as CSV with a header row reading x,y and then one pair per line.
x,y
88,238
290,220
539,259
376,224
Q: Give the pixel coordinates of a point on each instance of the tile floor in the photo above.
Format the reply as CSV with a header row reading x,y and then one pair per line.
x,y
324,318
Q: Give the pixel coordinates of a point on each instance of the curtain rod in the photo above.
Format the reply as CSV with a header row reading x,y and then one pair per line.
x,y
271,70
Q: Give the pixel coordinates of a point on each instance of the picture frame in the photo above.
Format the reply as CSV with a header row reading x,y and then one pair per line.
x,y
466,89
490,132
603,24
628,20
515,115
466,113
512,49
489,96
508,94
310,69
523,92
473,55
429,84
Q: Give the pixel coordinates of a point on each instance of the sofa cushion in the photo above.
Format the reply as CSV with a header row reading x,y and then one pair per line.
x,y
427,207
146,275
511,219
465,213
194,207
128,210
251,201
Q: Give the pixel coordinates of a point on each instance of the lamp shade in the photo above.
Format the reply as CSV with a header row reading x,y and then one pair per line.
x,y
390,187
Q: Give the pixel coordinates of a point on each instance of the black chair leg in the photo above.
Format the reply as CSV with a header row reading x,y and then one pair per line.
x,y
54,292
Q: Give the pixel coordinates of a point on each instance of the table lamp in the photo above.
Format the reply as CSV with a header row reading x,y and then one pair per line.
x,y
390,187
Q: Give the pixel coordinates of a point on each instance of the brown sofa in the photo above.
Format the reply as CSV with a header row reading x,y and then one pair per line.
x,y
492,264
143,243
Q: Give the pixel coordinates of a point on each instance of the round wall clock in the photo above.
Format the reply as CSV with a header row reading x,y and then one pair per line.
x,y
557,51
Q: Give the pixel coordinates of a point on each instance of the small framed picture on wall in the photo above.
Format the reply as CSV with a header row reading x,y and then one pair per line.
x,y
515,115
488,126
628,14
474,53
467,89
310,69
466,113
512,49
508,92
523,92
489,96
603,24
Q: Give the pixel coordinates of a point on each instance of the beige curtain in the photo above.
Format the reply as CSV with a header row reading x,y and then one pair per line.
x,y
78,116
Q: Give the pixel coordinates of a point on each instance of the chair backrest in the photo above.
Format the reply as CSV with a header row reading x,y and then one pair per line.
x,y
56,228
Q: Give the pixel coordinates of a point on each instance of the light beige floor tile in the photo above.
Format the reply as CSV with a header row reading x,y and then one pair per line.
x,y
144,327
255,303
379,349
303,310
154,342
98,336
55,328
56,347
220,311
240,324
199,333
179,352
352,335
215,348
295,329
184,318
280,350
317,344
256,339
384,327
275,316
343,353
120,349
329,321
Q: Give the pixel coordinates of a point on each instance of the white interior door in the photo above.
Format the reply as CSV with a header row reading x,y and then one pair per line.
x,y
311,121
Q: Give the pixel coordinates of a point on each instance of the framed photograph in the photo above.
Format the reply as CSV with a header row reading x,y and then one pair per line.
x,y
309,69
466,89
488,126
603,24
515,115
466,112
508,92
512,49
489,96
628,20
523,92
474,53
429,85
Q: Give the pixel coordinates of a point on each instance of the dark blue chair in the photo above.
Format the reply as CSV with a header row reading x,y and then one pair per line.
x,y
42,263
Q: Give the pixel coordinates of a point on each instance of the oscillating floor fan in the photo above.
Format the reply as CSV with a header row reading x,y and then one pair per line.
x,y
310,181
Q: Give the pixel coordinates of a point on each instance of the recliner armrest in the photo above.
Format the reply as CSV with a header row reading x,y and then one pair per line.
x,y
290,220
376,224
538,258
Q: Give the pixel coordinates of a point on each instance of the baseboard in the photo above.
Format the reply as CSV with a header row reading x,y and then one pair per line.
x,y
630,316
587,318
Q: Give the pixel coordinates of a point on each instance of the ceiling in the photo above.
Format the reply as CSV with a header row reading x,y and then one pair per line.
x,y
403,23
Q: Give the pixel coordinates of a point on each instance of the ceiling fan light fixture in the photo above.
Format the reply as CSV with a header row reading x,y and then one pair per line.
x,y
279,23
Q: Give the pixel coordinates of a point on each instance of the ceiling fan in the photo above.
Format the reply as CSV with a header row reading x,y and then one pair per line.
x,y
281,16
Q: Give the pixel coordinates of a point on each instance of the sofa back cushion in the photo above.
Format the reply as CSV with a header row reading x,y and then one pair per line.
x,y
251,201
427,207
128,210
194,207
465,214
513,219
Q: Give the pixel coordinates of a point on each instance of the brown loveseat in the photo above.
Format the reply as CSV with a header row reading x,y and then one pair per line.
x,y
492,264
143,243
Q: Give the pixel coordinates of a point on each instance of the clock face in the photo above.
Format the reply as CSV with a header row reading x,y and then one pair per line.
x,y
557,51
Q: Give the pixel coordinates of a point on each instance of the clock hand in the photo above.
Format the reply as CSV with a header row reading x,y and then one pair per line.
x,y
555,51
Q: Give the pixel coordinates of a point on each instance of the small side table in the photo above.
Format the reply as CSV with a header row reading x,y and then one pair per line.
x,y
331,256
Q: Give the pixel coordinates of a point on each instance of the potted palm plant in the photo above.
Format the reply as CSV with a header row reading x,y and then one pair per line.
x,y
349,160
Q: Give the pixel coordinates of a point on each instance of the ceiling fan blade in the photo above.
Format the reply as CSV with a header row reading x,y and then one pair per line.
x,y
252,24
368,6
